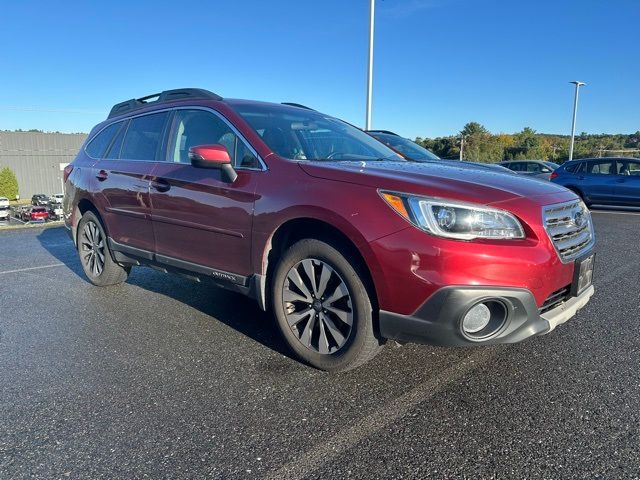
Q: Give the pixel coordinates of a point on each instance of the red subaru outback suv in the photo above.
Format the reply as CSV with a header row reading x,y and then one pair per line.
x,y
347,243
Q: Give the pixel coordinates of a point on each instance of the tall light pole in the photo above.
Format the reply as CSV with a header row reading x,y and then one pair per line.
x,y
575,113
370,71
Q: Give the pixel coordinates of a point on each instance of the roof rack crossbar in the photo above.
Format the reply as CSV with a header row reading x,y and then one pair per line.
x,y
388,132
162,97
299,105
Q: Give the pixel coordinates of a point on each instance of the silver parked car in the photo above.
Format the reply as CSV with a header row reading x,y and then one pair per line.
x,y
534,168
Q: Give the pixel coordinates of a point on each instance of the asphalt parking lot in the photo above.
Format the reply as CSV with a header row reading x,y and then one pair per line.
x,y
163,378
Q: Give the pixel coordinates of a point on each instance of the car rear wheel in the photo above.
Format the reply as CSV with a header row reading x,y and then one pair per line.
x,y
323,308
95,256
581,195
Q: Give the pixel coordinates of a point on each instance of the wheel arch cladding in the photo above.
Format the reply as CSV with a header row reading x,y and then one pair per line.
x,y
83,207
295,229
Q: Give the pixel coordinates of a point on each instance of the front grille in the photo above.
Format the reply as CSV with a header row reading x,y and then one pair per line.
x,y
555,299
570,228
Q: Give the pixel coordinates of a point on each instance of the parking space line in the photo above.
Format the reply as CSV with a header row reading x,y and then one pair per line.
x,y
341,442
28,269
616,212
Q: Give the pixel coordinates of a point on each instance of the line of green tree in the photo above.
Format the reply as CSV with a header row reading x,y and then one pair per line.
x,y
480,145
8,184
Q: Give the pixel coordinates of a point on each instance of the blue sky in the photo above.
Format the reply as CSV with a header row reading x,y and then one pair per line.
x,y
438,63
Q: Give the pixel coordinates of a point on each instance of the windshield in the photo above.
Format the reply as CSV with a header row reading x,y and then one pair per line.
x,y
406,147
551,165
300,134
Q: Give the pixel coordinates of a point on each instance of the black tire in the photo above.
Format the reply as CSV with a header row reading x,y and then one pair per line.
x,y
92,245
580,194
360,342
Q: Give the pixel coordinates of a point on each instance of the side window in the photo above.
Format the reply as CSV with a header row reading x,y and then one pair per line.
x,y
199,127
516,166
116,146
143,137
533,167
634,169
628,168
604,167
97,146
571,168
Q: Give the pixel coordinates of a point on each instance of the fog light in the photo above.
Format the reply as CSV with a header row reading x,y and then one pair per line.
x,y
476,318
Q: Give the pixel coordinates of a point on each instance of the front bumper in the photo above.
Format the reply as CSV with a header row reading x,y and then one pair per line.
x,y
438,320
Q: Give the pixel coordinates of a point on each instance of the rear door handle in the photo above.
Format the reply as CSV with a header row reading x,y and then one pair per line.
x,y
102,175
160,184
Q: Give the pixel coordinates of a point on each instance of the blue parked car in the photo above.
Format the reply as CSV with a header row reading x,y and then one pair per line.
x,y
602,181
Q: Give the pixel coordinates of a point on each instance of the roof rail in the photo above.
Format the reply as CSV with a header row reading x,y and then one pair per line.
x,y
388,132
299,105
163,97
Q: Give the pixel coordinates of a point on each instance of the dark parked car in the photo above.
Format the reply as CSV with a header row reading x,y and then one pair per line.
x,y
344,241
603,181
55,211
40,200
535,168
412,151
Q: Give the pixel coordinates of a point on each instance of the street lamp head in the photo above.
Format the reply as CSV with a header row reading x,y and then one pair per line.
x,y
577,83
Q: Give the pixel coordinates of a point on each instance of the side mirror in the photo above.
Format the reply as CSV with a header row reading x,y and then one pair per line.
x,y
546,170
213,156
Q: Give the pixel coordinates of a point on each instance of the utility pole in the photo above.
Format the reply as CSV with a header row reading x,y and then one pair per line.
x,y
575,112
461,147
370,70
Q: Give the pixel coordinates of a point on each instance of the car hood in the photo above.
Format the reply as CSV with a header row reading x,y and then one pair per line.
x,y
459,181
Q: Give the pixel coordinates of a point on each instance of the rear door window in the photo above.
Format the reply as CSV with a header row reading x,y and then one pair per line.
x,y
602,167
143,139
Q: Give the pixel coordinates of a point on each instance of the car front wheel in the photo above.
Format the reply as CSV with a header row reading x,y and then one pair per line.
x,y
323,308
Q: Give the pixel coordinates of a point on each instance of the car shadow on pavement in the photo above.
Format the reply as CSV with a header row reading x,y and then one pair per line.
x,y
233,309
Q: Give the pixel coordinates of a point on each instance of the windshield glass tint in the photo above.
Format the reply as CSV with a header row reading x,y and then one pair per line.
x,y
300,134
406,147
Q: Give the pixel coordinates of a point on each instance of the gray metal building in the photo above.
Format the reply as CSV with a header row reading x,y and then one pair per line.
x,y
35,158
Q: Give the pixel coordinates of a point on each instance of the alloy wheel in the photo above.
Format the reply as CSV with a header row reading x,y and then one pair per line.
x,y
92,248
318,306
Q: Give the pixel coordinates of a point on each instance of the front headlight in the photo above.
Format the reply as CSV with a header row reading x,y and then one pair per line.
x,y
453,219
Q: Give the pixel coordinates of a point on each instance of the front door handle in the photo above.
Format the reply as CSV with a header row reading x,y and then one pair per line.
x,y
160,185
102,175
